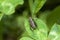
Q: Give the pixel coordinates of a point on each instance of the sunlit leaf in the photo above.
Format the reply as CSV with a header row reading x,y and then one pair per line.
x,y
42,29
40,33
8,6
26,38
27,27
55,32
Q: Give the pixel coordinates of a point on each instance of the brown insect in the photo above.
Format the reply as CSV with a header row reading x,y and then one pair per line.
x,y
32,23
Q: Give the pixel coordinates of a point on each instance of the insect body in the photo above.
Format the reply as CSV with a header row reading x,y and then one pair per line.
x,y
32,23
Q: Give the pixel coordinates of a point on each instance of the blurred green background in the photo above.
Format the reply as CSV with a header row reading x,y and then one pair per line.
x,y
13,25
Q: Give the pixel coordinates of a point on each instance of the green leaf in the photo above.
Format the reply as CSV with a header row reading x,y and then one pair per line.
x,y
26,38
55,32
40,33
54,16
8,6
42,29
41,25
36,5
27,27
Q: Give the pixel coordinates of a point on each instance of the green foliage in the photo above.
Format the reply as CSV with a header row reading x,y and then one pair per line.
x,y
40,33
36,5
55,32
26,38
7,7
54,16
15,22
